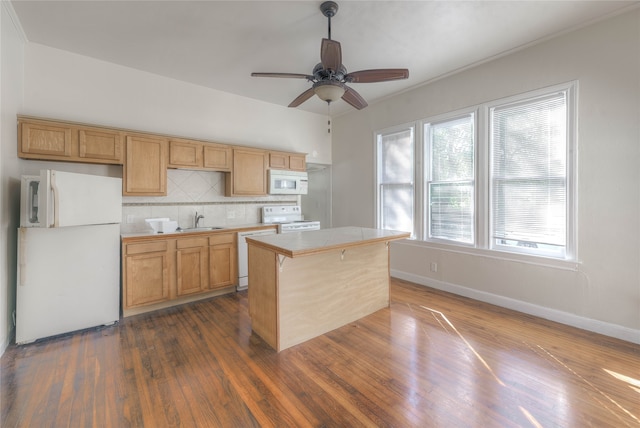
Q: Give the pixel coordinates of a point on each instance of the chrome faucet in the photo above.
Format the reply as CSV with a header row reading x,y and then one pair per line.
x,y
198,217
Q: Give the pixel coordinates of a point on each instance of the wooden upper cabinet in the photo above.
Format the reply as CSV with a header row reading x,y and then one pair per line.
x,y
185,154
51,140
217,157
290,161
298,162
278,160
145,166
248,176
191,154
101,145
45,140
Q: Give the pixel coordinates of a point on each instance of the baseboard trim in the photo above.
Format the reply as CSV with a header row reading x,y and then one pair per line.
x,y
601,327
7,341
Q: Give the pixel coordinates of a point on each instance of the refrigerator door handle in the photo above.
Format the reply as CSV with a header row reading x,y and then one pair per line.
x,y
55,201
22,256
45,199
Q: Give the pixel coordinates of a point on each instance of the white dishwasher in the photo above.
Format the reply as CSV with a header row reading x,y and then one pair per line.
x,y
243,255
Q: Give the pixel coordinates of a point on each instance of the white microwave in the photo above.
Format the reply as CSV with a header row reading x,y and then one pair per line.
x,y
282,182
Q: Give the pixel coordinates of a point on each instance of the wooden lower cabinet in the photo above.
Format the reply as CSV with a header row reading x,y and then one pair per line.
x,y
146,273
192,266
222,260
159,272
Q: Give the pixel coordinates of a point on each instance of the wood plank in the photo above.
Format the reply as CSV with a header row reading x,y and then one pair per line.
x,y
430,359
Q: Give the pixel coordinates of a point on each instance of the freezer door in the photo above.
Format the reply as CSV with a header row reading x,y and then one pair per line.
x,y
82,199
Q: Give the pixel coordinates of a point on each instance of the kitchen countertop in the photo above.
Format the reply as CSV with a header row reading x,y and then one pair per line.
x,y
236,228
317,241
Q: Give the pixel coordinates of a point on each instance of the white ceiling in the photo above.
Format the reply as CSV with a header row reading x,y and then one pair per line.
x,y
217,44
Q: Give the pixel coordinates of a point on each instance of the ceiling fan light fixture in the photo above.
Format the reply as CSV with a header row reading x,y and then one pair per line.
x,y
329,91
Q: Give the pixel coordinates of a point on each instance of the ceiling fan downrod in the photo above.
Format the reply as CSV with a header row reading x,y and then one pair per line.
x,y
329,9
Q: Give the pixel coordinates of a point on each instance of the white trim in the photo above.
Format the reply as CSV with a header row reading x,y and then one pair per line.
x,y
8,340
8,7
589,324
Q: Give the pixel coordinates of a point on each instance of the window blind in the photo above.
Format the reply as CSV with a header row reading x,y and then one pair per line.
x,y
396,180
451,184
528,174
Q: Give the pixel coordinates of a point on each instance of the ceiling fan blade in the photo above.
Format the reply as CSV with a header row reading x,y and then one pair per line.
x,y
331,55
377,75
354,98
291,75
302,97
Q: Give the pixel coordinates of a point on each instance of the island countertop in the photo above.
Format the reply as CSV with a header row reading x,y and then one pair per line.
x,y
317,241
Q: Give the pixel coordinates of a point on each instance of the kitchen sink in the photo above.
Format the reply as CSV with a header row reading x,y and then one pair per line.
x,y
197,229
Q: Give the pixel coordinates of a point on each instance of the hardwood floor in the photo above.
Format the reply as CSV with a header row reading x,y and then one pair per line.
x,y
431,360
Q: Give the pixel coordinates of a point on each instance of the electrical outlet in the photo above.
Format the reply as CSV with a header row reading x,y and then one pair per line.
x,y
130,218
231,214
434,267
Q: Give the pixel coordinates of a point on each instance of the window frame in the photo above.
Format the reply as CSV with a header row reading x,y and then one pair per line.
x,y
426,174
377,172
570,249
482,203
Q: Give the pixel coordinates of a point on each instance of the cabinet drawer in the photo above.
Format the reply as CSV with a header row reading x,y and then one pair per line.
x,y
191,242
146,247
222,238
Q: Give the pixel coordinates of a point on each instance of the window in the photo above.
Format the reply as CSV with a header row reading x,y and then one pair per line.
x,y
395,190
449,156
495,177
528,175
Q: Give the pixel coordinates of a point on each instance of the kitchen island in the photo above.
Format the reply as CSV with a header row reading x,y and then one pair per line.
x,y
302,285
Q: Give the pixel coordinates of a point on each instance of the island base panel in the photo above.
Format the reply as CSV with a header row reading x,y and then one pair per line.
x,y
263,280
326,291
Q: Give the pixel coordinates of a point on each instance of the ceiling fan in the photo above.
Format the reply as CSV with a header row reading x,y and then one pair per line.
x,y
329,76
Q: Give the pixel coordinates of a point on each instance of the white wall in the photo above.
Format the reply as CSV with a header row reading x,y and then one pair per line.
x,y
603,293
11,86
62,85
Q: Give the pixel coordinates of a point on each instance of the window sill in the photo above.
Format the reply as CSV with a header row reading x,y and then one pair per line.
x,y
564,264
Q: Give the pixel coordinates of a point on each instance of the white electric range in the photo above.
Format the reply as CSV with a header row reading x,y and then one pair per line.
x,y
289,218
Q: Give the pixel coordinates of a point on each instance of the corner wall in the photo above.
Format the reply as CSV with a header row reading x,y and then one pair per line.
x,y
11,91
601,292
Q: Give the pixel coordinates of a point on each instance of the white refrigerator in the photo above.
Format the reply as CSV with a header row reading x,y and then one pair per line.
x,y
68,254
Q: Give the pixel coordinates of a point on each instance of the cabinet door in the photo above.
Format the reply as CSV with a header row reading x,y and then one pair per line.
x,y
222,270
185,154
249,174
100,145
46,141
298,162
222,260
278,160
145,167
217,157
146,279
192,270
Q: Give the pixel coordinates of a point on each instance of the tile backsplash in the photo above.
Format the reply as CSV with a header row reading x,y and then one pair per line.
x,y
189,192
